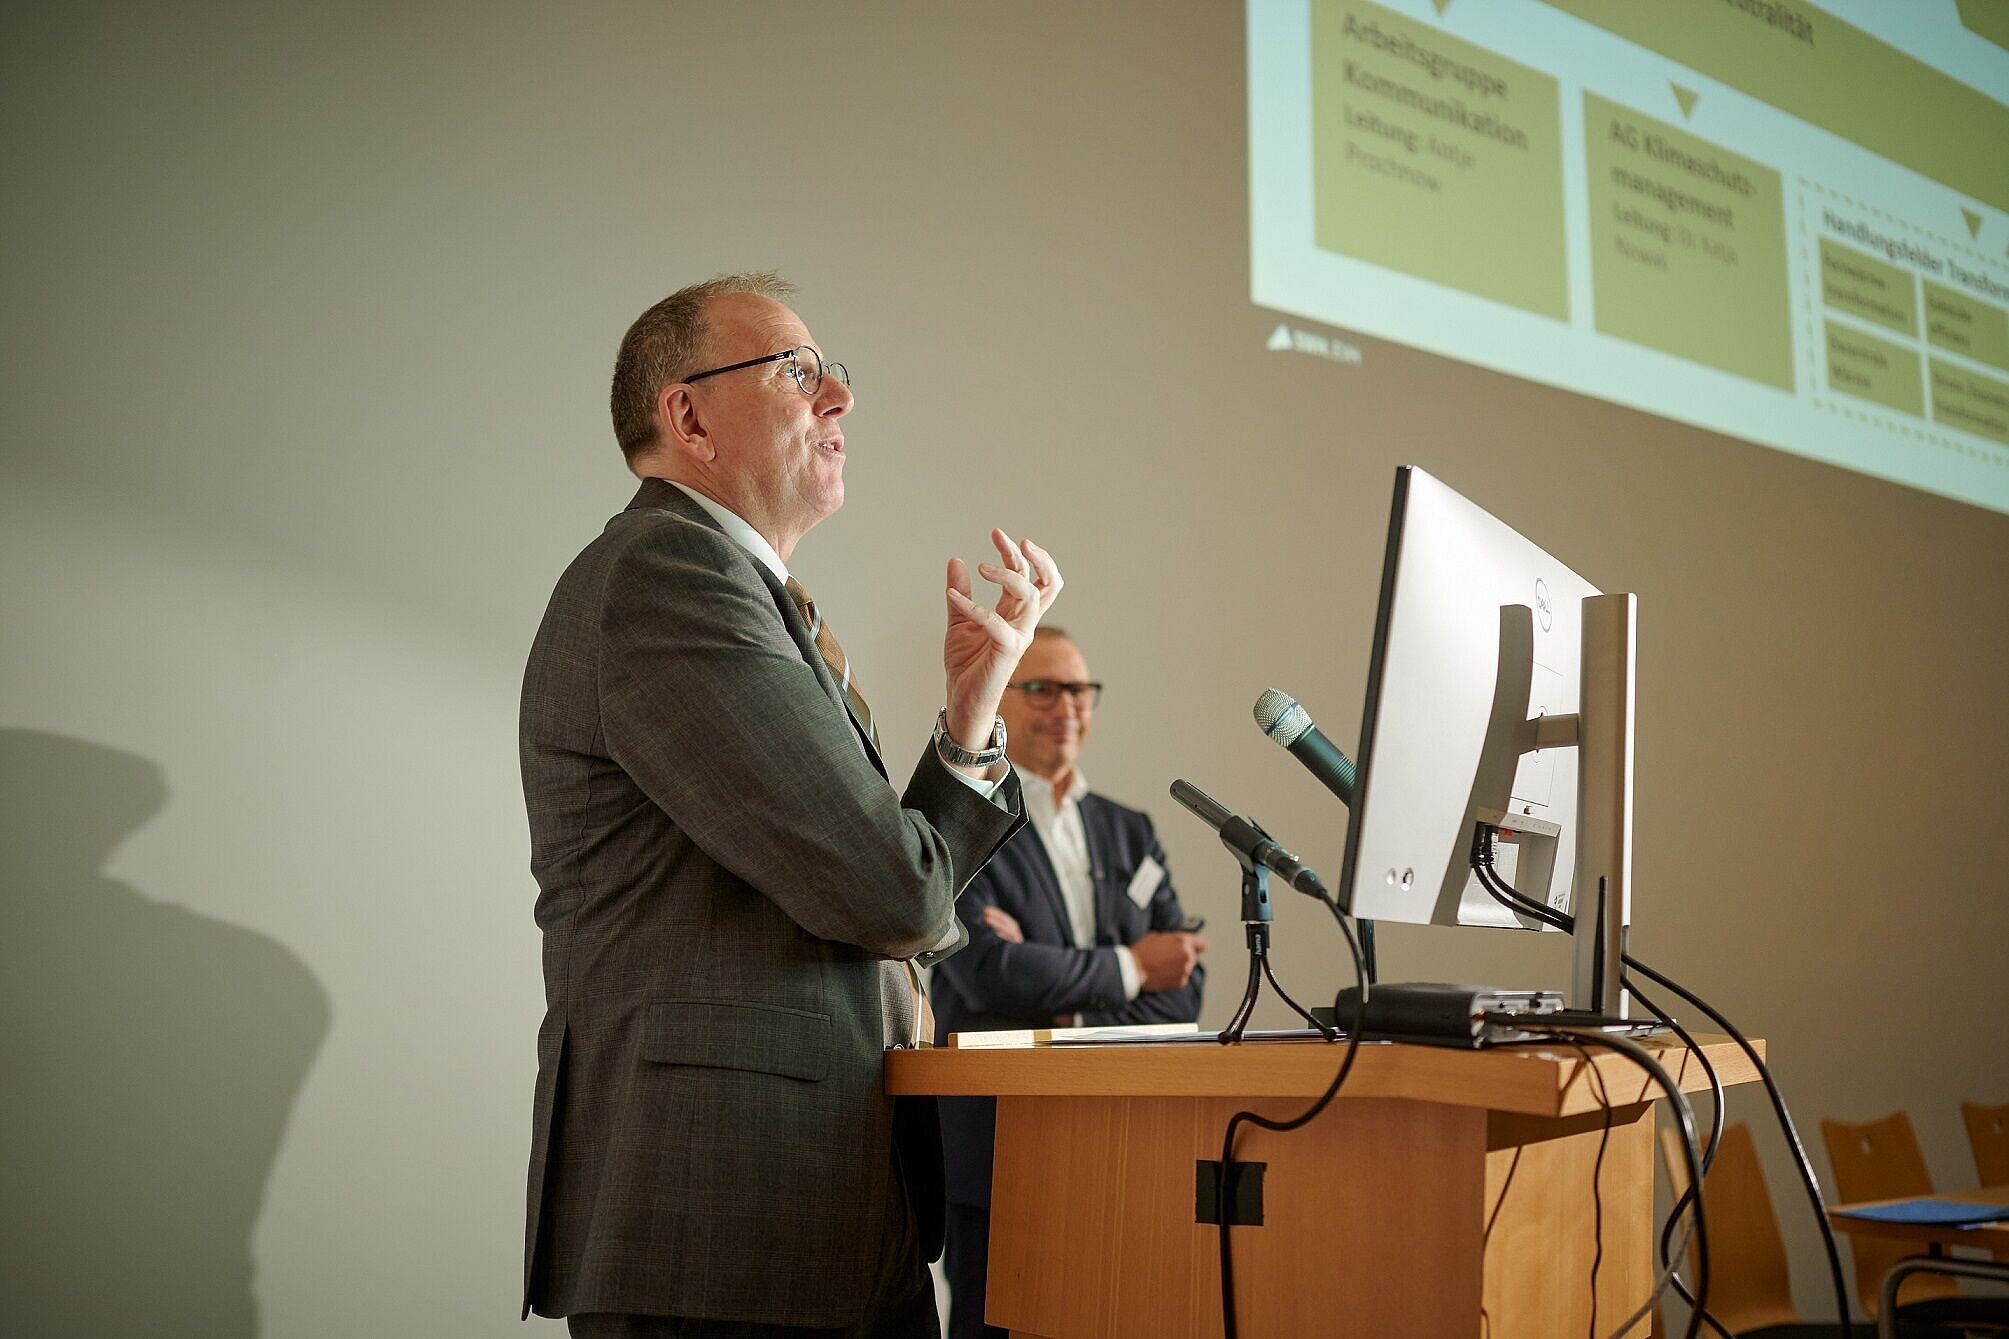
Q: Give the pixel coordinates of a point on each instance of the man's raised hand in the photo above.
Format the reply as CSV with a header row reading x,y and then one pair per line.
x,y
983,645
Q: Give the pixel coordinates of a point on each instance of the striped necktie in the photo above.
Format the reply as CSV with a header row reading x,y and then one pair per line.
x,y
833,656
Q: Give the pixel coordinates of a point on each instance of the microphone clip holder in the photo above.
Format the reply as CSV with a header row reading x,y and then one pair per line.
x,y
1256,924
1257,853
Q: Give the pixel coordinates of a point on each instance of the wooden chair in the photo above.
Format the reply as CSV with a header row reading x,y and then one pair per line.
x,y
1988,1136
1750,1285
1880,1160
1750,1288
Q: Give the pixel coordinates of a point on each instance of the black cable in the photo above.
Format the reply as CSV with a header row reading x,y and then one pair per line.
x,y
1507,896
1717,1098
1683,1114
1482,864
1716,1095
1295,1122
1800,1160
1687,1196
1596,1178
1503,892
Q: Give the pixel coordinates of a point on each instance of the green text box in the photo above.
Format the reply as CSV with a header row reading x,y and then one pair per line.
x,y
1437,158
1864,286
1812,65
1688,245
1875,369
1969,400
1967,325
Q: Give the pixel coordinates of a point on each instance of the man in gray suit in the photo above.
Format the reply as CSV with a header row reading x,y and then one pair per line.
x,y
730,890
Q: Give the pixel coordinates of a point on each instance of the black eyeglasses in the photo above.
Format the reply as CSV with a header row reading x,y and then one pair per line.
x,y
1045,693
805,365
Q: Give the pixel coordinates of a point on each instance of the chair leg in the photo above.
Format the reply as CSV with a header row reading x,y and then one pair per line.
x,y
1886,1314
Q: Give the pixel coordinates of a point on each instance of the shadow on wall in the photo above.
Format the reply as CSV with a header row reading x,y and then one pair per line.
x,y
150,1060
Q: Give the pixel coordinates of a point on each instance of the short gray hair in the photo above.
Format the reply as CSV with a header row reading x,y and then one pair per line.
x,y
664,346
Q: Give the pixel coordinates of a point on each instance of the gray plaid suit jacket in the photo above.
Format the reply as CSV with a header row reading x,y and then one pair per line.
x,y
723,872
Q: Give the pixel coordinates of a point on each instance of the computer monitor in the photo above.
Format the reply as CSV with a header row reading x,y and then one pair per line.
x,y
1476,713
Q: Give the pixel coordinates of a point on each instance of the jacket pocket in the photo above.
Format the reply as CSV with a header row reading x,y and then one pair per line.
x,y
721,1034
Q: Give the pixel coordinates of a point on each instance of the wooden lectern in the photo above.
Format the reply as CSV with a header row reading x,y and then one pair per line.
x,y
1442,1194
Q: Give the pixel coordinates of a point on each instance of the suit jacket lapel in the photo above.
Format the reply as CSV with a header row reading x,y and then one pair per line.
x,y
1108,915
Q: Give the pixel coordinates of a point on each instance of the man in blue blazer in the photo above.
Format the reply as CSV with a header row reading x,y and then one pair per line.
x,y
1073,921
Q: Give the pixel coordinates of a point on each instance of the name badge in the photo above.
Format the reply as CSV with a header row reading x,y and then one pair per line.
x,y
1144,883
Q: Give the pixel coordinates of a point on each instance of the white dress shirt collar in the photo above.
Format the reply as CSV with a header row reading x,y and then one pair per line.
x,y
1041,804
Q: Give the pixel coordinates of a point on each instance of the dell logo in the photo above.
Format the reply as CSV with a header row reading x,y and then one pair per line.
x,y
1544,606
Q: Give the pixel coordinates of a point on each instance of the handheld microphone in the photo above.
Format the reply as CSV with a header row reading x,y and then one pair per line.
x,y
1249,843
1283,720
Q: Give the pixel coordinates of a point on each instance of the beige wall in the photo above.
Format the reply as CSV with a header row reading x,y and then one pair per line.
x,y
309,319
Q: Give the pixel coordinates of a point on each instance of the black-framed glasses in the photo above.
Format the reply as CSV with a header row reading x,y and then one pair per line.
x,y
1044,693
805,366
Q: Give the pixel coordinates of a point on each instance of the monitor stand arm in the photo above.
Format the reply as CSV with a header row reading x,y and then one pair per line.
x,y
1601,731
1604,739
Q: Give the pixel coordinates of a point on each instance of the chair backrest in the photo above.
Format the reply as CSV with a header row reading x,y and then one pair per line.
x,y
1880,1160
1749,1285
1988,1136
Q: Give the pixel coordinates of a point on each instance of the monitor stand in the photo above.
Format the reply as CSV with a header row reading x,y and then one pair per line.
x,y
1603,733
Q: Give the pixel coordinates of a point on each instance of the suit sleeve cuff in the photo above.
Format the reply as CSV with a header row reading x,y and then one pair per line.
x,y
954,940
1133,981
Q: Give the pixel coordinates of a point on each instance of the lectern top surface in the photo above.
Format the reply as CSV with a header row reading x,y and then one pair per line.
x,y
1538,1080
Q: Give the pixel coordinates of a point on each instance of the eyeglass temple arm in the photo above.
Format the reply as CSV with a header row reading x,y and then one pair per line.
x,y
751,362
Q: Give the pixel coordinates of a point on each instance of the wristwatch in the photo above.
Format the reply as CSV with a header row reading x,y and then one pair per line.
x,y
955,755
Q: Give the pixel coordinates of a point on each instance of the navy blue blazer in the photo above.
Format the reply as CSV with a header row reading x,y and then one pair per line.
x,y
994,985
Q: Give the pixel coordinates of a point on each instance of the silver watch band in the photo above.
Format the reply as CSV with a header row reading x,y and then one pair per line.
x,y
955,755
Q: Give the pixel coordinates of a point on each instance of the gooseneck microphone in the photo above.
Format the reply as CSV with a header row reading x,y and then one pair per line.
x,y
1249,843
1283,720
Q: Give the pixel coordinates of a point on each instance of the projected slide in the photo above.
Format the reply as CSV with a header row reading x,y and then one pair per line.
x,y
1782,221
